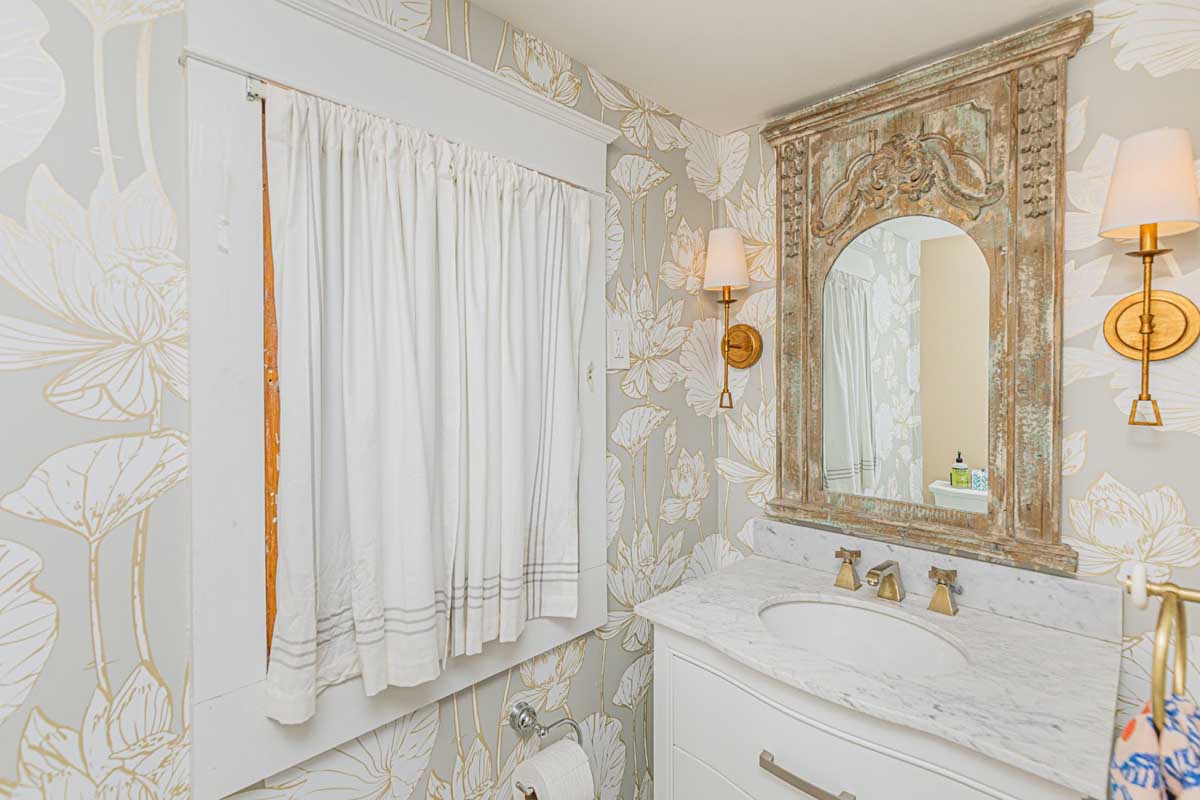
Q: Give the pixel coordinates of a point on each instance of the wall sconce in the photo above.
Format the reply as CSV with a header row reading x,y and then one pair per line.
x,y
1152,194
724,271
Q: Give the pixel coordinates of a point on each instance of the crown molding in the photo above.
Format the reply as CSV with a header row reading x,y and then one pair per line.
x,y
447,63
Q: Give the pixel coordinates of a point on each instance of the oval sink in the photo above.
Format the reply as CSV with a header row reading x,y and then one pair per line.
x,y
868,638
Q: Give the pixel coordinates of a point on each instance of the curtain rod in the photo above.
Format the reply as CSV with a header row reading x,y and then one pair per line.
x,y
193,55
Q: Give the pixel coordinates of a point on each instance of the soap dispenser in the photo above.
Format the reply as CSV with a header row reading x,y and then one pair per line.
x,y
960,473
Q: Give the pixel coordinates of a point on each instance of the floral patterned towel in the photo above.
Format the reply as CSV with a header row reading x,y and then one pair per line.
x,y
1147,765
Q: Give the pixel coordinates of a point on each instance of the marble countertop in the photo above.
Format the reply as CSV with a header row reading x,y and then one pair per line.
x,y
1034,697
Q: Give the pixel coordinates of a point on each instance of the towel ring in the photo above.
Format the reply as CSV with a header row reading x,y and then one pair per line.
x,y
1172,618
524,720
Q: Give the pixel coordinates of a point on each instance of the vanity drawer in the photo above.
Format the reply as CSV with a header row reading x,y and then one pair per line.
x,y
701,698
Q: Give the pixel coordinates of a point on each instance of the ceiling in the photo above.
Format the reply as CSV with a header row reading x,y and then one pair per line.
x,y
728,64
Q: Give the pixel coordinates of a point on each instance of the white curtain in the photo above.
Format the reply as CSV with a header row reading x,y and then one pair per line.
x,y
912,380
851,453
430,300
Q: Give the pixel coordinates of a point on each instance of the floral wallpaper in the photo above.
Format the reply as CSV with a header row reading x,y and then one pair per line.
x,y
1130,494
94,369
93,364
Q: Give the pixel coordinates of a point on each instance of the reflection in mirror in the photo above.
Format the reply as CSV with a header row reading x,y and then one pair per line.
x,y
906,366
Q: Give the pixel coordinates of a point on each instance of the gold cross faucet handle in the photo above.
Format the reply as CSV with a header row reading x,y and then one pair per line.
x,y
943,597
847,577
946,576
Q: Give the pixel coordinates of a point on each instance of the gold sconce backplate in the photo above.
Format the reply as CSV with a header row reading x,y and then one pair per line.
x,y
1176,325
743,345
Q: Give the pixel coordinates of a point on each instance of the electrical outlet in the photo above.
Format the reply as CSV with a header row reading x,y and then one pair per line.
x,y
618,344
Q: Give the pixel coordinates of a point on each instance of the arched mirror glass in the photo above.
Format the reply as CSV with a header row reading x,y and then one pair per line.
x,y
906,313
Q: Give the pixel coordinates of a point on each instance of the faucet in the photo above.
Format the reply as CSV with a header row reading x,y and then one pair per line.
x,y
943,591
847,578
887,577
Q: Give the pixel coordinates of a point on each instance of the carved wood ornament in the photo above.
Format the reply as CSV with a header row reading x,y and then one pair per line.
x,y
977,140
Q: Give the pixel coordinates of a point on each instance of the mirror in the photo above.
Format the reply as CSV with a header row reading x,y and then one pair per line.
x,y
906,366
920,224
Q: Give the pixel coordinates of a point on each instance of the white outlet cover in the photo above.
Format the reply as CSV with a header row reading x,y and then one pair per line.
x,y
618,344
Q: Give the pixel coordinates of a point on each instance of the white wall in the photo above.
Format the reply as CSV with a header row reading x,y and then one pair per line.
x,y
955,308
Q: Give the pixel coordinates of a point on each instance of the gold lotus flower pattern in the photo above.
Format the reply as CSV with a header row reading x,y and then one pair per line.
x,y
754,217
474,778
606,752
95,316
28,625
543,69
1115,527
107,14
1162,36
635,426
616,496
108,273
711,554
386,763
655,334
635,682
547,677
32,92
685,270
408,16
1137,654
715,163
125,747
753,439
614,235
689,487
639,572
644,120
704,368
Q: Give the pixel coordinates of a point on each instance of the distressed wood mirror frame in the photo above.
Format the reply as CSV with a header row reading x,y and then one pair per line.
x,y
975,139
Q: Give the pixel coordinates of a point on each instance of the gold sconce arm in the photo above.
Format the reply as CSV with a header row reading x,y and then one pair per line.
x,y
741,346
1151,325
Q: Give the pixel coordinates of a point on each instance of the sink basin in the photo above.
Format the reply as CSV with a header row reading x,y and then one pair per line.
x,y
866,637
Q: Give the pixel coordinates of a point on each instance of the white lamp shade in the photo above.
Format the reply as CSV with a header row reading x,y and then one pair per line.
x,y
1154,181
726,263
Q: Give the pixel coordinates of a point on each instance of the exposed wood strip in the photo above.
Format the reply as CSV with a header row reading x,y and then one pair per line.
x,y
270,395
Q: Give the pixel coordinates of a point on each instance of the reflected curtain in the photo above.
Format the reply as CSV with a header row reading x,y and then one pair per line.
x,y
849,408
430,300
912,459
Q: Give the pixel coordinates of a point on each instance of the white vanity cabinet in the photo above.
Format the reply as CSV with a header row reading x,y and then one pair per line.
x,y
716,718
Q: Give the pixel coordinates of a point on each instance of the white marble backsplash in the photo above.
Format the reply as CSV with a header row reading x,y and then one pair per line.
x,y
1055,601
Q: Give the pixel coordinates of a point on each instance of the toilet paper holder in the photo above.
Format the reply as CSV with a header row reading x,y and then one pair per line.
x,y
523,719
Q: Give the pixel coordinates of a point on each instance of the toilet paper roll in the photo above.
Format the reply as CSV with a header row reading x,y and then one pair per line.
x,y
560,772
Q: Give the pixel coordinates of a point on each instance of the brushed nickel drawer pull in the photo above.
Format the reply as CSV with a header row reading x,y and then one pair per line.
x,y
766,760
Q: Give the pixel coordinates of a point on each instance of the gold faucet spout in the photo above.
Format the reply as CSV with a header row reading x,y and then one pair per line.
x,y
887,577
